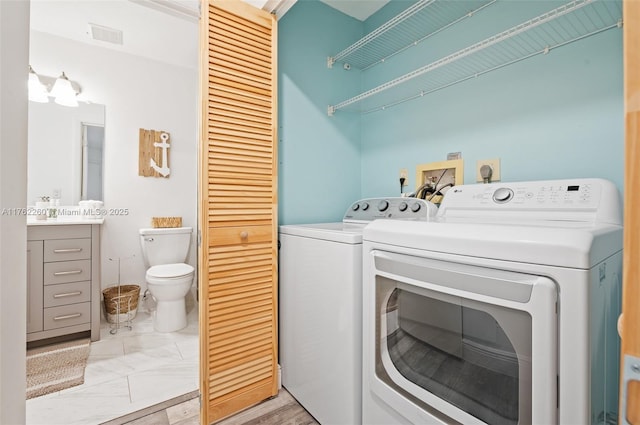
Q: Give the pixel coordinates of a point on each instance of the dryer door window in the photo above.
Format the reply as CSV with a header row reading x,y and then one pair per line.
x,y
462,354
447,341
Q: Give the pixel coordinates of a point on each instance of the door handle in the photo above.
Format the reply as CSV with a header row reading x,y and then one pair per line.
x,y
66,250
631,372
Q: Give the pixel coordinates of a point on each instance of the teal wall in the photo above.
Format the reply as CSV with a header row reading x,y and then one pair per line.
x,y
319,156
552,116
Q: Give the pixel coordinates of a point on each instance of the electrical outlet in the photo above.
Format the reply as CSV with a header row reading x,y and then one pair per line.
x,y
495,169
56,193
404,173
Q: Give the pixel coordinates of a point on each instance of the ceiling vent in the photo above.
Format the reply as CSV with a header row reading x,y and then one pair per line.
x,y
100,33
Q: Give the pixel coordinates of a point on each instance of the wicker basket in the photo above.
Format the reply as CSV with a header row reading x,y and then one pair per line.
x,y
166,222
126,296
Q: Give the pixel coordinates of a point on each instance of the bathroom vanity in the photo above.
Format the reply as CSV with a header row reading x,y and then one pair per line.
x,y
63,278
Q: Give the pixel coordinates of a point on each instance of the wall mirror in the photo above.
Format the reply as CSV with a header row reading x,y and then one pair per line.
x,y
65,152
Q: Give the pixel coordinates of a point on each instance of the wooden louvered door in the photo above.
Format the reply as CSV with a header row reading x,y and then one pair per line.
x,y
238,208
630,377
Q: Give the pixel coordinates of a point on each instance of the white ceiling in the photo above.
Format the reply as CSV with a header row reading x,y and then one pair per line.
x,y
359,9
163,30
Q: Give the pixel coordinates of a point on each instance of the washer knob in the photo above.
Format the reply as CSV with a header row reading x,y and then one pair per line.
x,y
403,206
415,207
355,207
502,195
383,205
365,206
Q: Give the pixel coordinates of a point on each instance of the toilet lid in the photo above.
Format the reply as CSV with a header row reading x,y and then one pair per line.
x,y
170,270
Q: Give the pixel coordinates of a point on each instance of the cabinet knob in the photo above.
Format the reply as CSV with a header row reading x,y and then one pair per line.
x,y
244,235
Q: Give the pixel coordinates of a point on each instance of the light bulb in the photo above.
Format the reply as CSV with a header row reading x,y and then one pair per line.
x,y
63,92
37,90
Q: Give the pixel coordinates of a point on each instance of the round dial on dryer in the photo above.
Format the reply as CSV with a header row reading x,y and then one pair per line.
x,y
403,206
502,195
355,207
365,206
383,205
415,207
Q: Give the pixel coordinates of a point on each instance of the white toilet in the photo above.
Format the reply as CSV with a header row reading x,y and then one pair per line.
x,y
168,277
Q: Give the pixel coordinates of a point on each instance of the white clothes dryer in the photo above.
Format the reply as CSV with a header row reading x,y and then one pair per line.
x,y
502,310
320,307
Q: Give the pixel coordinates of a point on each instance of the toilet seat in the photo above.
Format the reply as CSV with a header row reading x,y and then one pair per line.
x,y
169,271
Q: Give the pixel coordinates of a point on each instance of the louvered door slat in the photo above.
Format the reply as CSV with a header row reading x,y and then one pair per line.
x,y
241,29
242,66
238,45
238,253
237,111
260,83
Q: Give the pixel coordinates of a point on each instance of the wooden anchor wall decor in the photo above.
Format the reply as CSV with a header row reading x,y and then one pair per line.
x,y
153,154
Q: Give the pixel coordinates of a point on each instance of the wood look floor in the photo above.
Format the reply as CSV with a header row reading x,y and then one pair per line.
x,y
280,410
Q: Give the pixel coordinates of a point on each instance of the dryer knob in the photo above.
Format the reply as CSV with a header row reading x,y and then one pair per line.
x,y
355,207
383,205
416,207
403,206
365,206
502,195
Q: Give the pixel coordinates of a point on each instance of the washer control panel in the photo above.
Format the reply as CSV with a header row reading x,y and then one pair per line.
x,y
395,208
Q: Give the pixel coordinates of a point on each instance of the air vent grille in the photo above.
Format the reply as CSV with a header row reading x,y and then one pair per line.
x,y
102,33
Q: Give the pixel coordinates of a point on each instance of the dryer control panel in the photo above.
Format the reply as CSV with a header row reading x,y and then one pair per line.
x,y
581,200
392,208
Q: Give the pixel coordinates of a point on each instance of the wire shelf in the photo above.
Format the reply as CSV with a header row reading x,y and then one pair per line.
x,y
558,27
417,23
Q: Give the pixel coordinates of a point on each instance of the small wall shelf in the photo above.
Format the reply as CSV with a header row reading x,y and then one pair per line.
x,y
568,23
415,24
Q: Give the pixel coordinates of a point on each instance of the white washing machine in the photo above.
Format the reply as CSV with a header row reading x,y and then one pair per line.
x,y
502,310
320,307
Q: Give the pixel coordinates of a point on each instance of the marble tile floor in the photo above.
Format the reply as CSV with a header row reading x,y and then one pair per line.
x,y
125,372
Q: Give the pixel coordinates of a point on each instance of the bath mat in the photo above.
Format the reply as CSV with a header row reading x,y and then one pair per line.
x,y
56,367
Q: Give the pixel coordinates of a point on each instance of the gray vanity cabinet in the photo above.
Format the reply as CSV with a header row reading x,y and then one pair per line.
x,y
63,281
34,286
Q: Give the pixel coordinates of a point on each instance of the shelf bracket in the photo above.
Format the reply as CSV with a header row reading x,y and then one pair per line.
x,y
330,61
331,110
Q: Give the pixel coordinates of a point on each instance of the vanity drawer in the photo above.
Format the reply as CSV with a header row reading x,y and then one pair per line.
x,y
67,249
67,293
67,271
66,315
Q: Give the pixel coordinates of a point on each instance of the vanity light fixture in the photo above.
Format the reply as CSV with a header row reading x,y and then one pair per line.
x,y
63,92
37,90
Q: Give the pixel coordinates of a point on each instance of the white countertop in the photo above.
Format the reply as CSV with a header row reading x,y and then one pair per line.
x,y
67,215
32,221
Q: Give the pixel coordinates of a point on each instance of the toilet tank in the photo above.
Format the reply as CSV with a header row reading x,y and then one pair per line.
x,y
165,245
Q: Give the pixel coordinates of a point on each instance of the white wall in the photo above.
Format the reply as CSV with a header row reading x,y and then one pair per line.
x,y
137,93
14,45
